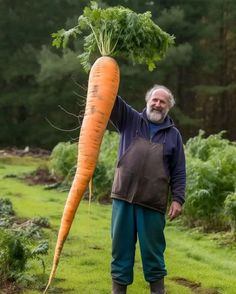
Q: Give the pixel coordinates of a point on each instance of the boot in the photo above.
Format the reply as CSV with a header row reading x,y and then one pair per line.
x,y
157,287
118,288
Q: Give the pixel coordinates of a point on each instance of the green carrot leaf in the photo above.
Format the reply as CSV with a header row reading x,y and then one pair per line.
x,y
117,31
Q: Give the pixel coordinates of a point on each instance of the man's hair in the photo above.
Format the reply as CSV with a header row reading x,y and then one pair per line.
x,y
156,87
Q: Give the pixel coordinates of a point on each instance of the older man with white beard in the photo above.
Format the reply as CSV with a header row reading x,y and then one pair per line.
x,y
159,101
151,160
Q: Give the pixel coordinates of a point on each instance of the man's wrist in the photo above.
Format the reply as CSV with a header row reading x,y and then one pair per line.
x,y
180,201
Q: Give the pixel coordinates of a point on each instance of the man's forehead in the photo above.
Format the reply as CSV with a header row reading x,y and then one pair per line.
x,y
162,93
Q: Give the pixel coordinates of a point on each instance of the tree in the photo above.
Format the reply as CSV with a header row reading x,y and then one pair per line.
x,y
24,102
35,78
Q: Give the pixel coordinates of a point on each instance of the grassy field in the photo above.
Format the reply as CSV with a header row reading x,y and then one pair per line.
x,y
196,263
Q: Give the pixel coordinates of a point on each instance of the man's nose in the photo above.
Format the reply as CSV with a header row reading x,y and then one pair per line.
x,y
158,104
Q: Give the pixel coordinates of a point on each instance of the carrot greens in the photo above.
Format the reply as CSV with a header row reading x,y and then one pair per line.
x,y
117,31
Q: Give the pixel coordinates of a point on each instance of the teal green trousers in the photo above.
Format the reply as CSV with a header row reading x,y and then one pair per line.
x,y
129,223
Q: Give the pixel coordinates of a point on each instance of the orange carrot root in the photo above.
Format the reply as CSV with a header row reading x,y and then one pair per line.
x,y
102,91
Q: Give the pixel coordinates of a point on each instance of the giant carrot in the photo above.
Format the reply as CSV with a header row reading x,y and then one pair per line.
x,y
114,31
100,100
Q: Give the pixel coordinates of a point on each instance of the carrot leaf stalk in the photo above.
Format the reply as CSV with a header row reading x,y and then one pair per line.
x,y
114,31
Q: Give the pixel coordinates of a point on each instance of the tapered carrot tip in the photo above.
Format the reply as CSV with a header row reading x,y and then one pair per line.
x,y
55,264
46,289
50,279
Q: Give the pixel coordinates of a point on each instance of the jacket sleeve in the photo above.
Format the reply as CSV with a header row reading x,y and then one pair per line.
x,y
178,172
122,114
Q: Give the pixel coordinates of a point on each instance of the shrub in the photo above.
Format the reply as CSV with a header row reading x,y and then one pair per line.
x,y
6,213
18,246
16,251
211,173
230,210
204,148
6,207
63,159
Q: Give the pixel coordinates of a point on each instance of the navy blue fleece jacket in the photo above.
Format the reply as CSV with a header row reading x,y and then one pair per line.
x,y
131,123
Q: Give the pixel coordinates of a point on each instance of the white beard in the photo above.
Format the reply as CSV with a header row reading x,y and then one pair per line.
x,y
155,116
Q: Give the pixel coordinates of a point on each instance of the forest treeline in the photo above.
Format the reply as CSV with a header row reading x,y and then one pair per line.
x,y
43,89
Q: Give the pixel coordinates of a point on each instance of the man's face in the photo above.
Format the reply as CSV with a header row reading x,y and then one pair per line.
x,y
158,106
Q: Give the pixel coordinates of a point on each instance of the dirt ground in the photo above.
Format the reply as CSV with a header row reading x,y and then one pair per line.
x,y
27,151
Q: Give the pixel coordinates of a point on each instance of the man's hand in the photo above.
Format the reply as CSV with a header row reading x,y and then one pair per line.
x,y
175,210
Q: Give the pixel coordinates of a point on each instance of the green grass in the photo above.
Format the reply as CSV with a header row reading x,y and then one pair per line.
x,y
191,257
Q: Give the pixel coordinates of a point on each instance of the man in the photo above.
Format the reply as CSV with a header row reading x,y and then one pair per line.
x,y
151,159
